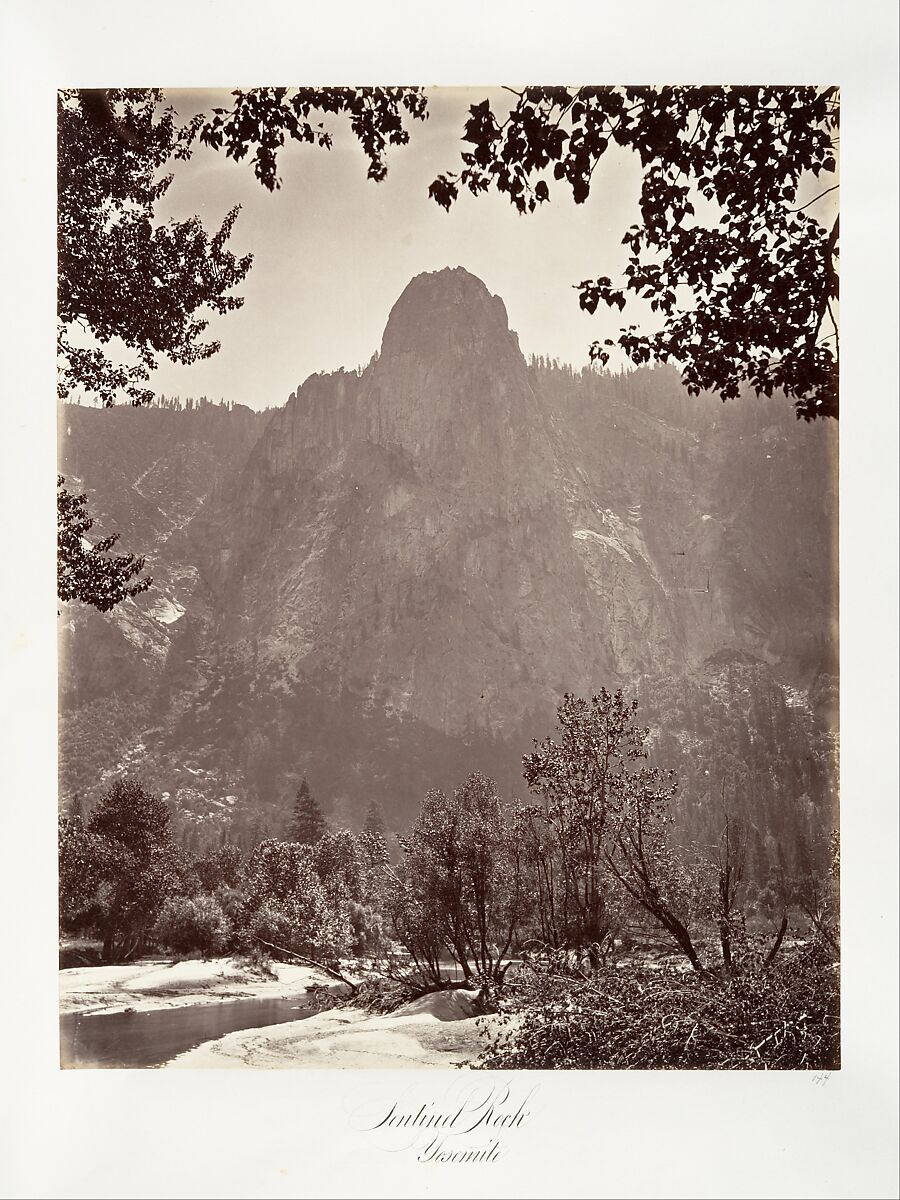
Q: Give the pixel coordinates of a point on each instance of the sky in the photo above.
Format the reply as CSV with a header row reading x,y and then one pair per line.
x,y
333,251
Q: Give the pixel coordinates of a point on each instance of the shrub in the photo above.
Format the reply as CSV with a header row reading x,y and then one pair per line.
x,y
259,960
382,995
785,1017
187,924
286,903
367,933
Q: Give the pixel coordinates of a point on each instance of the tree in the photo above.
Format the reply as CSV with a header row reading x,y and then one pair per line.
x,y
309,824
733,854
670,888
604,840
609,817
81,865
218,868
745,297
131,817
286,904
463,885
743,276
117,871
261,118
338,860
188,923
87,572
350,867
581,779
374,822
121,275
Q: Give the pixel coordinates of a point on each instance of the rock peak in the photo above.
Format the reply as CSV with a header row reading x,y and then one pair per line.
x,y
448,277
449,305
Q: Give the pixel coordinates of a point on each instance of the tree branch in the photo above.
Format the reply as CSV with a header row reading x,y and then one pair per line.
x,y
829,275
310,962
834,187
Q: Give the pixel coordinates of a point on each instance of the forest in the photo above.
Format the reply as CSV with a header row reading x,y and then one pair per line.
x,y
587,920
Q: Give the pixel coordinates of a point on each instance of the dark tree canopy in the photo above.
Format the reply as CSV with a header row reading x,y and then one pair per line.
x,y
131,816
86,572
121,275
262,119
309,824
746,285
117,870
124,278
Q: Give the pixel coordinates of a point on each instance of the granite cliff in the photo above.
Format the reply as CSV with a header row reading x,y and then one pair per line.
x,y
391,580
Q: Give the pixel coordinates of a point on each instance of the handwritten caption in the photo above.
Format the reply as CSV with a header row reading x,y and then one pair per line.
x,y
469,1123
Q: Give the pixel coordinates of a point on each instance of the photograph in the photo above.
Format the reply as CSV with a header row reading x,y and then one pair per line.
x,y
447,577
450,715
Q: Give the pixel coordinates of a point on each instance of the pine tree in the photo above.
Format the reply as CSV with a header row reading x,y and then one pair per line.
x,y
374,822
309,824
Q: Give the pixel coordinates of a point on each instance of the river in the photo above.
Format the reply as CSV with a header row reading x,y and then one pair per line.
x,y
149,1039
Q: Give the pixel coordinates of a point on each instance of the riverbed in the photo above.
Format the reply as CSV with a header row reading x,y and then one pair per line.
x,y
152,1037
438,1031
223,1013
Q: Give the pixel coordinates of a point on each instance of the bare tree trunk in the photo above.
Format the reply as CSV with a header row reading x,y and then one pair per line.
x,y
725,939
776,946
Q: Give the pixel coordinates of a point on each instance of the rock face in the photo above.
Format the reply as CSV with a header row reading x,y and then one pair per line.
x,y
401,577
389,521
148,474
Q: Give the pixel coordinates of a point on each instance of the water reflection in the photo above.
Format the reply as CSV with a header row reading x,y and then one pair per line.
x,y
149,1039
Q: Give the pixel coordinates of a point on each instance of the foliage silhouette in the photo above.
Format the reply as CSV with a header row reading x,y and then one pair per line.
x,y
744,277
87,572
121,275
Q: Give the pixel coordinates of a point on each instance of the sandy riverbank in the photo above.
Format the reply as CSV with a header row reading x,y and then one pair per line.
x,y
162,983
437,1031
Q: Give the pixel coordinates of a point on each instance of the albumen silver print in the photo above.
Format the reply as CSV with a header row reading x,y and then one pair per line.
x,y
447,576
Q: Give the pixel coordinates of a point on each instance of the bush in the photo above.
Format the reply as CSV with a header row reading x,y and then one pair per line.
x,y
381,995
259,960
287,905
367,933
187,924
79,952
785,1017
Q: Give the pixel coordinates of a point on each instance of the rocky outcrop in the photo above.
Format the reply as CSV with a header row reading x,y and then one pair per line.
x,y
410,564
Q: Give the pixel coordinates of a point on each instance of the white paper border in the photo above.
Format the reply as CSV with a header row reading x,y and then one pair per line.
x,y
285,1133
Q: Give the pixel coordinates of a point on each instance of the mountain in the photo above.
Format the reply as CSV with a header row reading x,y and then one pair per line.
x,y
391,580
148,472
